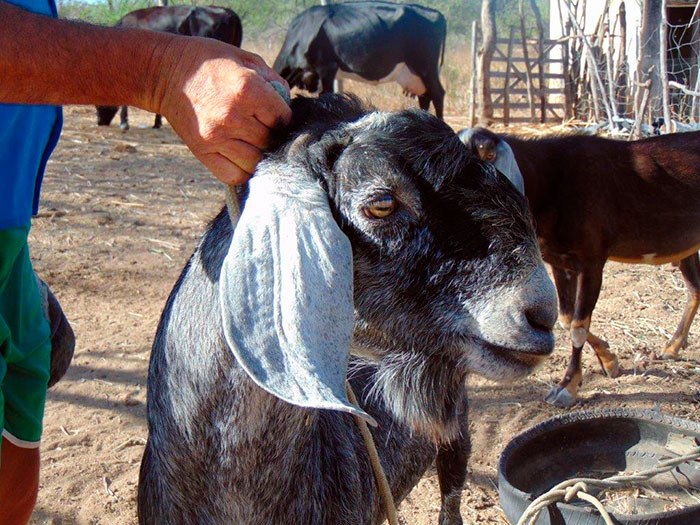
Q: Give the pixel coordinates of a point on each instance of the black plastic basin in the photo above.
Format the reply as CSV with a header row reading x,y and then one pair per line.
x,y
598,444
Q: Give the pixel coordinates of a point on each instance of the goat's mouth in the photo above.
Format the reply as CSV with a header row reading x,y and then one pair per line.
x,y
505,363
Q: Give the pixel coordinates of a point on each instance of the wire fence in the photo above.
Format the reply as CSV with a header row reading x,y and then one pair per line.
x,y
615,71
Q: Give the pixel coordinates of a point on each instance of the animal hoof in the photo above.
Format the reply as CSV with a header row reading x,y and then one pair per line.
x,y
612,369
560,397
671,355
124,126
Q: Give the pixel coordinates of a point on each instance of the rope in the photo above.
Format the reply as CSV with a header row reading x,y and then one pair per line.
x,y
578,488
379,475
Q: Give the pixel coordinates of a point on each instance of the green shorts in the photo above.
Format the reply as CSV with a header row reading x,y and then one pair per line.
x,y
25,343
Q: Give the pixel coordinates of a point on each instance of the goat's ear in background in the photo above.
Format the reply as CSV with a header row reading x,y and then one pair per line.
x,y
506,164
286,294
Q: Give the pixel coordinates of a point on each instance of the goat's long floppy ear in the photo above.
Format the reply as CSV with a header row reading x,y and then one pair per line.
x,y
506,164
286,294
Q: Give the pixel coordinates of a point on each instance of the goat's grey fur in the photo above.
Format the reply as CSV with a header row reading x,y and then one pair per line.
x,y
449,284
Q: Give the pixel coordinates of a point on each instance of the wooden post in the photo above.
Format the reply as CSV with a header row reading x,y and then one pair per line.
x,y
526,56
488,28
569,111
645,89
474,72
621,76
663,73
540,61
649,48
506,86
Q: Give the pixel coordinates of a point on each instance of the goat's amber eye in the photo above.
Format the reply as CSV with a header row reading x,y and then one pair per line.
x,y
381,207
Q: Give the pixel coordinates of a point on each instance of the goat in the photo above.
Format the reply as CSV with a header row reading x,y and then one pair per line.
x,y
595,199
399,247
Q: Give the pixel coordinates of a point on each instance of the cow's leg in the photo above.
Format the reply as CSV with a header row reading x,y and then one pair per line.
x,y
451,465
436,93
124,118
159,121
328,79
588,286
690,268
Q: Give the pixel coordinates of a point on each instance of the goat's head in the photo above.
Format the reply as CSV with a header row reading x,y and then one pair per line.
x,y
448,278
489,147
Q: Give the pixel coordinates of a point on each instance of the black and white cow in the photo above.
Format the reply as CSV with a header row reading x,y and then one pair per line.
x,y
372,42
211,21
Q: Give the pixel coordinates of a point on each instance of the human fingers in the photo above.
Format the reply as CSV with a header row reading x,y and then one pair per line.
x,y
272,110
242,154
250,130
223,169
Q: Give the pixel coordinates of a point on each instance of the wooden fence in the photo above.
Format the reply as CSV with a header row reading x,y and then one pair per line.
x,y
527,79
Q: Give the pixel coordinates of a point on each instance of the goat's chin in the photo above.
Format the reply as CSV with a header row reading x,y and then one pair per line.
x,y
500,363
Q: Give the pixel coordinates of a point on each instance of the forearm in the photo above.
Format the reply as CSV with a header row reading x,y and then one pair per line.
x,y
49,61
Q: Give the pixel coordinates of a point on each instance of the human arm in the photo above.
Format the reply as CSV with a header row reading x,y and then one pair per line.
x,y
216,97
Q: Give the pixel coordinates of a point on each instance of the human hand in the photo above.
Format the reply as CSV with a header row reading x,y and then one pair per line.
x,y
219,101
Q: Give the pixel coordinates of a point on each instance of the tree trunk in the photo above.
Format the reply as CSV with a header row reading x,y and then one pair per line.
x,y
488,25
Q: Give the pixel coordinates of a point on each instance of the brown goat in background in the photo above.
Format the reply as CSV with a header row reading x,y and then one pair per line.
x,y
595,199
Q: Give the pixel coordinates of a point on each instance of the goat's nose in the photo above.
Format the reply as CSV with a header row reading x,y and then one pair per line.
x,y
541,316
539,301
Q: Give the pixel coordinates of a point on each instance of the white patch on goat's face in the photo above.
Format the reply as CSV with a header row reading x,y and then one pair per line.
x,y
503,342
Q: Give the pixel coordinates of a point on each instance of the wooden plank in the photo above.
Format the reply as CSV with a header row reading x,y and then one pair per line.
x,y
533,41
521,105
540,80
525,60
506,85
553,76
528,65
523,91
524,120
472,94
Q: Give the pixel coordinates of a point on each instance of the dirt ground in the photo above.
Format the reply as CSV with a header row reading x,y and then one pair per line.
x,y
121,213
